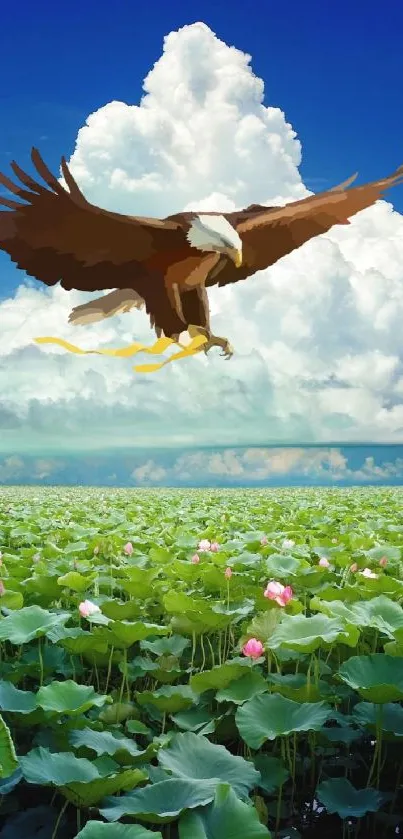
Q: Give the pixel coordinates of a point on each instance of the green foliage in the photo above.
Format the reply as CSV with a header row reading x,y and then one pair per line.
x,y
339,796
145,710
226,818
97,830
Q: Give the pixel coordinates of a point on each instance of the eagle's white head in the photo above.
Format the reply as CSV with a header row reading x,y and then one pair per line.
x,y
216,234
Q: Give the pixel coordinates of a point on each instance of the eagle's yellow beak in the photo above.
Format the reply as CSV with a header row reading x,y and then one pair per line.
x,y
238,258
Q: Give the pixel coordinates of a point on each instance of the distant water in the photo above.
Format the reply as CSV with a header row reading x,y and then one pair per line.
x,y
291,465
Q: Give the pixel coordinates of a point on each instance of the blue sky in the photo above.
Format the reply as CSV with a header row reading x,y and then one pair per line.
x,y
319,348
335,70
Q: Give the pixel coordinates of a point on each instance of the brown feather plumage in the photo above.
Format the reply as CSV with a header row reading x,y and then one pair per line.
x,y
55,234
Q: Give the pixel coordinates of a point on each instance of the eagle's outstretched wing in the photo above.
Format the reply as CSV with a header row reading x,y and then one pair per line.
x,y
271,233
58,235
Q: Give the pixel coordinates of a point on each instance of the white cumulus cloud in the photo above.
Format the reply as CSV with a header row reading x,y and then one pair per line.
x,y
255,464
149,473
317,337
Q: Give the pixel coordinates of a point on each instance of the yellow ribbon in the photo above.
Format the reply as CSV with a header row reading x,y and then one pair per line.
x,y
125,352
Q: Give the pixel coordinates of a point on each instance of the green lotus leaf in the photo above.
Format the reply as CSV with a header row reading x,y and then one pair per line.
x,y
226,818
240,610
42,586
195,719
12,600
10,782
58,633
246,559
16,701
161,802
297,687
249,685
195,614
273,773
98,619
377,678
297,632
341,734
169,669
117,712
381,612
121,610
263,625
220,676
168,699
253,537
190,755
282,566
69,698
383,584
78,641
192,623
8,757
172,645
269,716
99,830
107,743
75,547
89,794
126,633
389,716
30,622
347,593
339,796
393,648
40,766
392,552
76,581
137,727
139,590
138,667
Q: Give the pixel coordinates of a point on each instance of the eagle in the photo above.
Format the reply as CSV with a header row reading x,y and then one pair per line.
x,y
166,266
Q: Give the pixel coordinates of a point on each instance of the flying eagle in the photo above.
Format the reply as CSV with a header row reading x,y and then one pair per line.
x,y
165,265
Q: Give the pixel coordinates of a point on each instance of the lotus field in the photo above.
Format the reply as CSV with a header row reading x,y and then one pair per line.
x,y
201,664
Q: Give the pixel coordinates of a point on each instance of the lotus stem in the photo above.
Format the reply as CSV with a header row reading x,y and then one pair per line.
x,y
211,651
203,652
40,657
108,675
59,818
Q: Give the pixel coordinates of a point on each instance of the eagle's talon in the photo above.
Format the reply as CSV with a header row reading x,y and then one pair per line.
x,y
223,343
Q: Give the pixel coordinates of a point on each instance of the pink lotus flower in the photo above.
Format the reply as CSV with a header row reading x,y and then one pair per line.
x,y
383,561
88,608
276,591
2,588
253,648
288,543
354,568
128,548
228,573
323,562
204,545
214,547
264,540
368,574
195,559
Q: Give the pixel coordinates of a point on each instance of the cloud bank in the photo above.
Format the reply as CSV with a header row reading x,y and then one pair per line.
x,y
317,337
223,467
